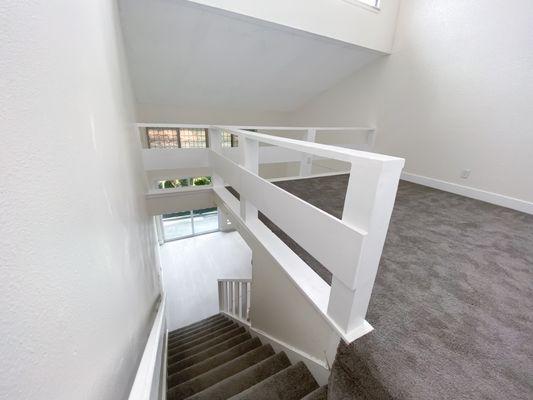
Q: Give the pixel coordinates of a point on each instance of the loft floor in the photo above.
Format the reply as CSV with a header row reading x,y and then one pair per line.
x,y
452,304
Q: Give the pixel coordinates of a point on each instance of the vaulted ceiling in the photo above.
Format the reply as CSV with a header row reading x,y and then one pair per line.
x,y
186,55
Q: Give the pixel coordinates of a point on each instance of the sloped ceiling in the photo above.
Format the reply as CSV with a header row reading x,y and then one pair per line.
x,y
185,55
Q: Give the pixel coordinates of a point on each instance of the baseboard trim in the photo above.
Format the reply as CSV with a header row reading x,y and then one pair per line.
x,y
478,194
318,368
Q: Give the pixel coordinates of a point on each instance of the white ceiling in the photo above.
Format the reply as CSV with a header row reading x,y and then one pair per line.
x,y
186,55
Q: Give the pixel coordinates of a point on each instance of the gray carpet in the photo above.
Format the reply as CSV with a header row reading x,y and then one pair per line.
x,y
452,306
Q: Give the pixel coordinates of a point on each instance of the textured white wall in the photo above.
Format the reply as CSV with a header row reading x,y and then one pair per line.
x,y
336,19
77,250
456,93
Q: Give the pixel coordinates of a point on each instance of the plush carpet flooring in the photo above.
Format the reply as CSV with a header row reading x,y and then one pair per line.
x,y
452,306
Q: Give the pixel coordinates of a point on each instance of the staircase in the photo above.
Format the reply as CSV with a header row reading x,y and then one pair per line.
x,y
217,358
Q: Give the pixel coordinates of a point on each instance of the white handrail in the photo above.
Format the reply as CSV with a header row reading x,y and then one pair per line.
x,y
350,248
318,149
150,374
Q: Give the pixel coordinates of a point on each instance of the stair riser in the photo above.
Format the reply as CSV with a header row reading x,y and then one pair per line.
x,y
196,325
177,347
220,373
212,362
244,379
182,364
173,357
196,334
196,330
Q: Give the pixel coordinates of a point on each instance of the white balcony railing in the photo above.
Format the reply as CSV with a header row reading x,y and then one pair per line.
x,y
350,247
234,298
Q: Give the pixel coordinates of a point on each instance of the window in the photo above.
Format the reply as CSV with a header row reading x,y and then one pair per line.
x,y
229,140
189,223
169,138
176,183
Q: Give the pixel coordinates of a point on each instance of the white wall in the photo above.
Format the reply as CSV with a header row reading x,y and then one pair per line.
x,y
337,19
455,94
206,115
77,250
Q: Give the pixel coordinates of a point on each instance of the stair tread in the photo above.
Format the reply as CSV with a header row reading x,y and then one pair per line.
x,y
292,383
244,379
319,394
198,330
197,340
184,338
199,357
220,373
174,356
212,362
196,324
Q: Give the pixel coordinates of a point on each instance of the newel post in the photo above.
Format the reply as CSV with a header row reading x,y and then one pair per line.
x,y
249,154
215,144
368,205
306,163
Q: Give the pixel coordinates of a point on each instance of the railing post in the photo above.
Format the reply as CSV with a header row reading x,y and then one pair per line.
x,y
306,164
249,151
215,144
220,296
368,205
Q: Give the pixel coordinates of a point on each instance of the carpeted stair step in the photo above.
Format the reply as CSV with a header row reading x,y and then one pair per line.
x,y
292,383
244,379
220,373
319,394
202,332
198,329
196,325
212,362
176,356
204,355
180,346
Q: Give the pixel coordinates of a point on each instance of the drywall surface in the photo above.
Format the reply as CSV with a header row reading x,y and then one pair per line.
x,y
191,268
346,20
77,249
179,113
455,94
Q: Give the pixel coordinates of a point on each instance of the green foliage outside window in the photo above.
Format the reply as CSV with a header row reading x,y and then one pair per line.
x,y
201,180
176,183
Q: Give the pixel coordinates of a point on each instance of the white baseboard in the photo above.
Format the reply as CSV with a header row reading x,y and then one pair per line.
x,y
478,194
318,368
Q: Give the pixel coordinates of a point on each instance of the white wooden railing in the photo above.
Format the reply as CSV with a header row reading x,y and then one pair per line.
x,y
350,247
234,298
150,380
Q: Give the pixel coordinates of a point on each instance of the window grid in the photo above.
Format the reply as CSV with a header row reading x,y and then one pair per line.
x,y
229,140
162,138
193,138
171,138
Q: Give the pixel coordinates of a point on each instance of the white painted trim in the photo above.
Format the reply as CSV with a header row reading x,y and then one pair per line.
x,y
146,385
467,191
268,128
293,178
318,368
305,280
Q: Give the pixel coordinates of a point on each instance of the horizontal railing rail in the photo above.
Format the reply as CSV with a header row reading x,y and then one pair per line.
x,y
349,247
234,298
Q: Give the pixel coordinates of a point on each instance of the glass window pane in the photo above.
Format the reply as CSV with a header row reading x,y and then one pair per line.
x,y
162,138
193,138
229,140
177,225
205,220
